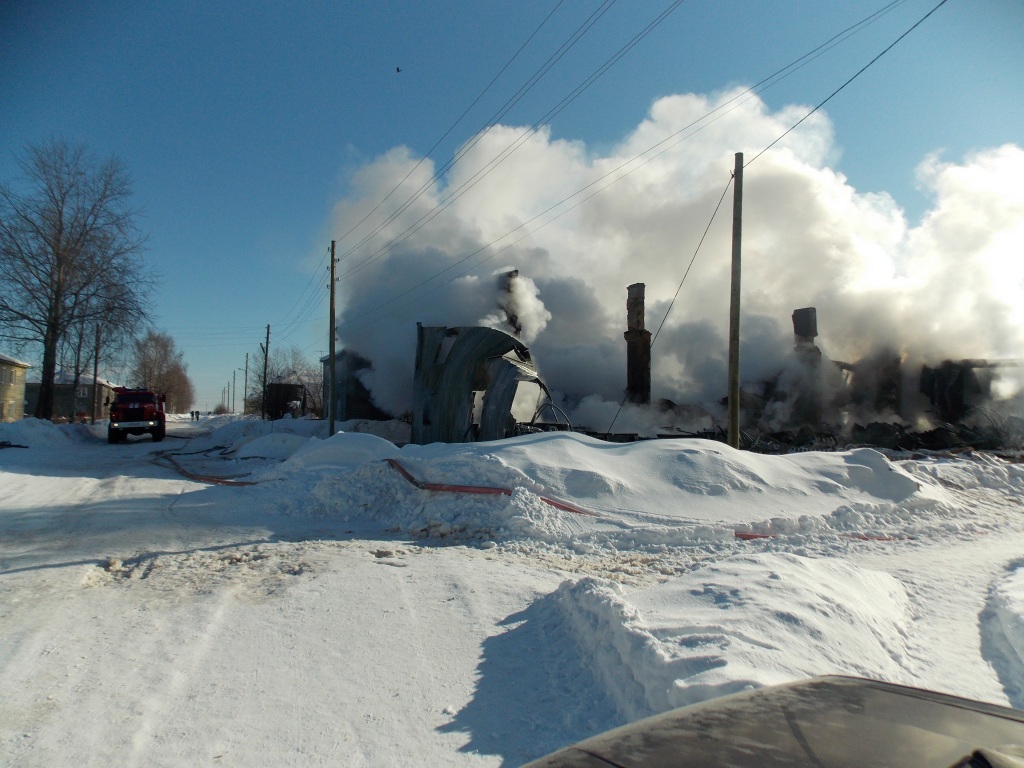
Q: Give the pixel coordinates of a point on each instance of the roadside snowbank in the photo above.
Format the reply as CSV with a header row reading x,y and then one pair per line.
x,y
36,433
735,625
399,621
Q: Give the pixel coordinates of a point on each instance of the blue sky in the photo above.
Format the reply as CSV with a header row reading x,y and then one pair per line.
x,y
242,123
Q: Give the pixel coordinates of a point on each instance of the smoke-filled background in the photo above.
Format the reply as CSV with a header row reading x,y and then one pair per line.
x,y
948,287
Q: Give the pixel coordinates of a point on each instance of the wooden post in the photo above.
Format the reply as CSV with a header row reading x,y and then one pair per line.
x,y
330,360
734,306
266,360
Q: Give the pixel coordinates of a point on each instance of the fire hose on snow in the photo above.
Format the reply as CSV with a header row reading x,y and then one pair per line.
x,y
486,490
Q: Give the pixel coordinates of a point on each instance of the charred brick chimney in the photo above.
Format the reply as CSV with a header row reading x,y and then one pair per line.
x,y
638,347
809,388
805,324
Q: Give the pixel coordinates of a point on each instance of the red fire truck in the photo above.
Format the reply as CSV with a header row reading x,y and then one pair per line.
x,y
136,412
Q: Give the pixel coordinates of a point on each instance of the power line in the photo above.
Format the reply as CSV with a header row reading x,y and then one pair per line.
x,y
312,277
762,85
668,311
309,306
689,266
504,154
841,87
462,151
445,135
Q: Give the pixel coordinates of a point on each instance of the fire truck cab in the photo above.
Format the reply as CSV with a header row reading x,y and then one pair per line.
x,y
136,412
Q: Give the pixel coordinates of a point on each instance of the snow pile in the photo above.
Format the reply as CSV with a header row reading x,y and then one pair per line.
x,y
385,604
647,495
338,452
972,471
1003,630
397,431
676,480
673,492
237,432
748,621
35,433
279,445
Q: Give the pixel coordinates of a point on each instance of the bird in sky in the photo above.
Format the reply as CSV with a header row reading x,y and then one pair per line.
x,y
398,69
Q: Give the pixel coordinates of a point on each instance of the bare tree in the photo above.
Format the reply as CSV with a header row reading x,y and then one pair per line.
x,y
70,253
313,380
179,389
287,366
89,344
159,365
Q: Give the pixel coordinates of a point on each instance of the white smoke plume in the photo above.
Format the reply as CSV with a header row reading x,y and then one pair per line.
x,y
520,310
950,287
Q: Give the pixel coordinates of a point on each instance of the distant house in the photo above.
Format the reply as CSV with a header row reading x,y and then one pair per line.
x,y
71,402
12,388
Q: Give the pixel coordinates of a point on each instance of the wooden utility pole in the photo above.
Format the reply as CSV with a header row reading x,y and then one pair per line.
x,y
245,383
331,353
734,306
266,359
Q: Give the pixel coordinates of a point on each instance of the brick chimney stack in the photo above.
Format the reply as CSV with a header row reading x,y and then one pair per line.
x,y
638,347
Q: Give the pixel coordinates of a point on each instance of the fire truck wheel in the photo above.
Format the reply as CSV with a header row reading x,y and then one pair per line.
x,y
159,432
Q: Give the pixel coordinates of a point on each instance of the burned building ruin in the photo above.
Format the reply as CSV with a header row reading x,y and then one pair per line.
x,y
465,382
350,399
816,402
955,388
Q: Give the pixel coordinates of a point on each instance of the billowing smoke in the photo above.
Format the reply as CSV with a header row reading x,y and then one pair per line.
x,y
949,287
519,309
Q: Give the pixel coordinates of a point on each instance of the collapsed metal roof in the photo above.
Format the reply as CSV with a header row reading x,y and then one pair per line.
x,y
452,365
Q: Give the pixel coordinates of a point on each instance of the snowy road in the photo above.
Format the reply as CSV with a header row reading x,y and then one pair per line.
x,y
333,614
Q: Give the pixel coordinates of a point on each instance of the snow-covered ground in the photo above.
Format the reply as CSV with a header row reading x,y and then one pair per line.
x,y
332,612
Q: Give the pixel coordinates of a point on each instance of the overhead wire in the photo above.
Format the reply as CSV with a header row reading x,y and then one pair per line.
x,y
311,302
664,144
693,258
675,296
509,149
841,87
479,134
445,135
305,304
776,141
762,85
767,82
312,277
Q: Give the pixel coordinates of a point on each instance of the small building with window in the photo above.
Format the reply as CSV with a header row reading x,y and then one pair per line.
x,y
12,388
71,401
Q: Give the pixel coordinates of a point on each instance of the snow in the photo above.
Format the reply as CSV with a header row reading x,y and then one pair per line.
x,y
332,612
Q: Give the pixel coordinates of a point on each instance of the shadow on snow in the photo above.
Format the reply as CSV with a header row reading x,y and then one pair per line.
x,y
535,694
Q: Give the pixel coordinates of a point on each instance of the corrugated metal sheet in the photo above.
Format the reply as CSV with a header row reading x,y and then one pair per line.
x,y
452,364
